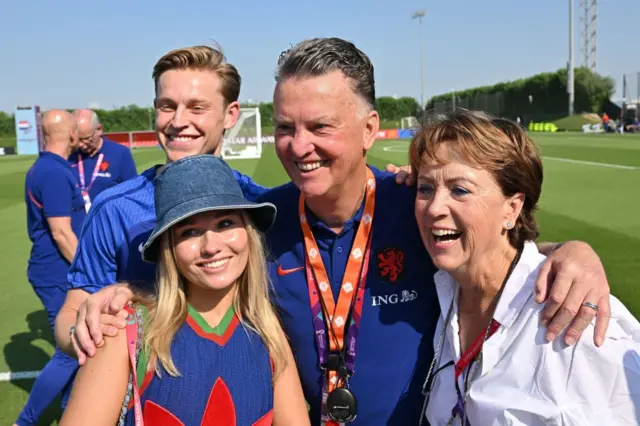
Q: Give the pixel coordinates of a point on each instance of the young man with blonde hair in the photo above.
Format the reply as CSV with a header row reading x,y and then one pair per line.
x,y
196,102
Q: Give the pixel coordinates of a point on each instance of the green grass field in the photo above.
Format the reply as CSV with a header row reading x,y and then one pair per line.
x,y
590,193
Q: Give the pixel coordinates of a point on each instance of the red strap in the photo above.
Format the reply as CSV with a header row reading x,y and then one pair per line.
x,y
132,339
475,348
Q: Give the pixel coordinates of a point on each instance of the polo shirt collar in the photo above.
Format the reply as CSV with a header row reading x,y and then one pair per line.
x,y
55,157
95,154
316,223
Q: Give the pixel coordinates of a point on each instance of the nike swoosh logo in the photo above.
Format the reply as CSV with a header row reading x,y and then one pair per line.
x,y
282,271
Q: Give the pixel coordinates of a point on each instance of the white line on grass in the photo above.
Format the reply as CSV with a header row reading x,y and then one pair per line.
x,y
19,375
396,148
591,163
403,148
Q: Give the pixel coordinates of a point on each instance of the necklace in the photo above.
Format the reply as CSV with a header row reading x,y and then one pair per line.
x,y
439,349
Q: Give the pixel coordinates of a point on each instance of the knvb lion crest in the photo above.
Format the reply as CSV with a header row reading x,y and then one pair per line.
x,y
390,264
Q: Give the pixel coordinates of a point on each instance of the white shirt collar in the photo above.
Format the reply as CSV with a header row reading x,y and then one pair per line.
x,y
514,296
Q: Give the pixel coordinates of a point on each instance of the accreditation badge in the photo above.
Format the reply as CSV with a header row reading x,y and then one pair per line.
x,y
87,201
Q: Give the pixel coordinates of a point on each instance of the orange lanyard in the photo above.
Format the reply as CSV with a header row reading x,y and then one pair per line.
x,y
336,314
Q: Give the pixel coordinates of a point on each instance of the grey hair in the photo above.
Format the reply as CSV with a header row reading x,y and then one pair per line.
x,y
319,56
95,121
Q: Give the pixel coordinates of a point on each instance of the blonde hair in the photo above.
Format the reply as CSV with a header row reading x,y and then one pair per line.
x,y
497,145
202,58
252,304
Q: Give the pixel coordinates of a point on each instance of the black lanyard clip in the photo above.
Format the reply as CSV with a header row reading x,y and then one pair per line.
x,y
335,362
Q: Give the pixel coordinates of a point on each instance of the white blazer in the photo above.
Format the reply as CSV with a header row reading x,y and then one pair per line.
x,y
524,380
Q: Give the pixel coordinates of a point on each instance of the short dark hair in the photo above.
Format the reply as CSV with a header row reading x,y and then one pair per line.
x,y
497,145
319,56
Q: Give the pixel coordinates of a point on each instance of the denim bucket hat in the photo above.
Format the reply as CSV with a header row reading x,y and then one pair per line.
x,y
195,185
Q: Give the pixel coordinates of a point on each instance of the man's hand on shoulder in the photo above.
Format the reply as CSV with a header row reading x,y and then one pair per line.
x,y
404,174
96,311
572,281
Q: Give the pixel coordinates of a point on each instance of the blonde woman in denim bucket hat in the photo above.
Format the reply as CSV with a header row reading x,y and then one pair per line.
x,y
208,348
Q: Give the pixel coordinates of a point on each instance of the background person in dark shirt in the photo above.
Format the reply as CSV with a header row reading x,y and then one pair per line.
x,y
55,215
99,163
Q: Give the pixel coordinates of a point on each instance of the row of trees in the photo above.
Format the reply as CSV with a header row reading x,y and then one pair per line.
x,y
123,119
7,124
133,117
542,96
391,110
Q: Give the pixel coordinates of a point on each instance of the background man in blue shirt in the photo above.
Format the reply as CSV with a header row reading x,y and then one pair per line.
x,y
325,123
98,163
55,215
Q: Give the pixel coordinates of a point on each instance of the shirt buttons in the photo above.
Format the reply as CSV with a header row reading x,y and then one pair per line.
x,y
339,249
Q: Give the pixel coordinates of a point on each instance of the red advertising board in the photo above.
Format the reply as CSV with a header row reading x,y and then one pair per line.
x,y
121,137
144,139
137,139
388,134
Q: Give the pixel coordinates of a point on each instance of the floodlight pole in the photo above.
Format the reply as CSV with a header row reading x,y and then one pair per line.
x,y
419,15
570,76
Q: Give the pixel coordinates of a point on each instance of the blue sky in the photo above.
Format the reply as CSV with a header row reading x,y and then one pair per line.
x,y
74,54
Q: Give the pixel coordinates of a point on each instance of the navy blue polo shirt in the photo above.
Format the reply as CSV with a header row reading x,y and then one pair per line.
x,y
50,191
400,311
120,220
116,167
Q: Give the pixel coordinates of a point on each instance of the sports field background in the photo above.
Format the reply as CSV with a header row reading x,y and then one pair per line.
x,y
591,192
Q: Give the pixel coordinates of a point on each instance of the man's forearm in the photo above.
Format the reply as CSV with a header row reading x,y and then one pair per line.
x,y
67,243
